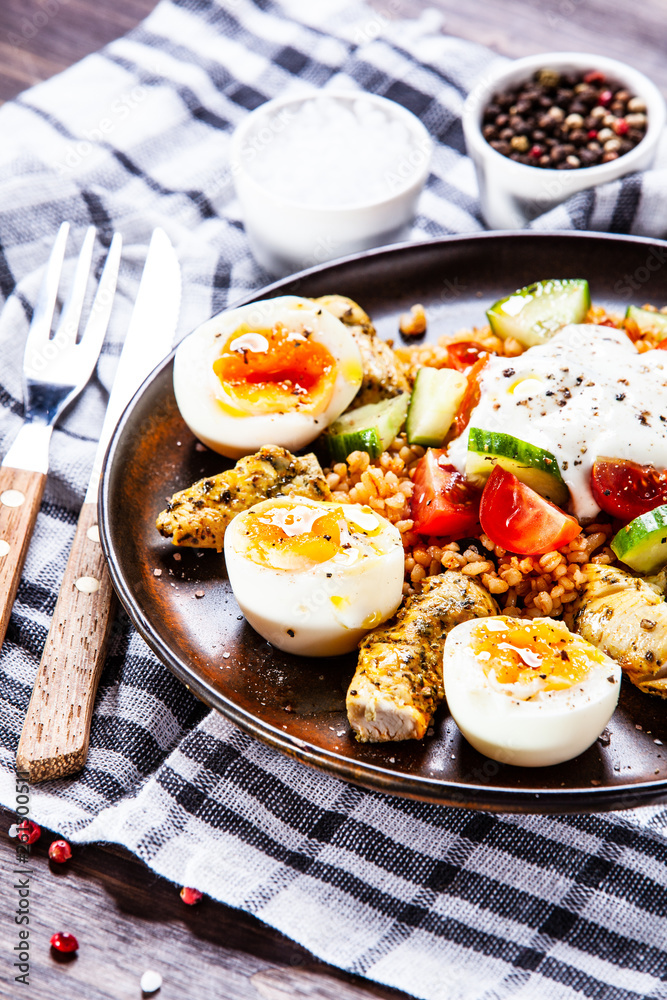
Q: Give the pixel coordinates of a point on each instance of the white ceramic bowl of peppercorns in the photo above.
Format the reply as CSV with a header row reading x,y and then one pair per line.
x,y
545,127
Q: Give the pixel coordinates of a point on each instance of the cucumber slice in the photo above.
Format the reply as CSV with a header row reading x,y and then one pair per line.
x,y
534,313
642,544
370,428
436,396
533,466
647,320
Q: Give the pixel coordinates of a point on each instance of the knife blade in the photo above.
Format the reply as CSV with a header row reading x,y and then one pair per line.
x,y
56,731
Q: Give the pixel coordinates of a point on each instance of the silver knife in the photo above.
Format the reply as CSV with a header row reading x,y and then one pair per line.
x,y
56,731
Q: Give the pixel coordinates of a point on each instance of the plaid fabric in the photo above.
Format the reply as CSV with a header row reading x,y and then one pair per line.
x,y
442,903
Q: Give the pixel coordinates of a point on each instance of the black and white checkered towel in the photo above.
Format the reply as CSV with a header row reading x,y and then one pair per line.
x,y
442,903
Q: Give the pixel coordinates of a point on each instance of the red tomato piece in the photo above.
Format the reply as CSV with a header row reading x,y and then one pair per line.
x,y
516,517
464,354
443,503
627,489
470,398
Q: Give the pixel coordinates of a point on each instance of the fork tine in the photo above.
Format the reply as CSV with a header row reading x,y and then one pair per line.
x,y
96,327
71,312
40,327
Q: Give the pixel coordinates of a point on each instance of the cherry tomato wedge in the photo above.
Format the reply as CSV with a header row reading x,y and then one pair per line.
x,y
443,503
464,353
470,398
519,519
627,489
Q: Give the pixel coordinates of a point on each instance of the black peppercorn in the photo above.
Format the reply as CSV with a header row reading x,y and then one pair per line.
x,y
564,121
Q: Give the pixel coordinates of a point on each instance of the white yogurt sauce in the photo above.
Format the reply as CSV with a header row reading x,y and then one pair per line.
x,y
590,394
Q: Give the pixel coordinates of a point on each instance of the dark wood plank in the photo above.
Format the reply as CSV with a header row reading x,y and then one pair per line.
x,y
41,37
32,49
127,920
633,33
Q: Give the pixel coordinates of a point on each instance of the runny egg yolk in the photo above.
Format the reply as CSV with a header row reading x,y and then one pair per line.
x,y
285,537
276,369
295,536
525,653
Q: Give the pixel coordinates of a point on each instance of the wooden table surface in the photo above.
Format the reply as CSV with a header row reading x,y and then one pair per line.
x,y
128,919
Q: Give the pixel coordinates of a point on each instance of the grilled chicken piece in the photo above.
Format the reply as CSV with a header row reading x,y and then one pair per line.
x,y
626,618
398,682
384,375
198,516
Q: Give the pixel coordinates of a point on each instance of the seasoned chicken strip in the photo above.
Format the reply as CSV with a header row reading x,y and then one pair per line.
x,y
398,682
384,375
199,515
627,619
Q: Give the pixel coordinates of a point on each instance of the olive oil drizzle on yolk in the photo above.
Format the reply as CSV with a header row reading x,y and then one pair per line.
x,y
520,653
298,532
276,369
296,535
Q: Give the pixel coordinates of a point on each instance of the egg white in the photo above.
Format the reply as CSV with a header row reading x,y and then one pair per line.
x,y
321,609
552,727
218,421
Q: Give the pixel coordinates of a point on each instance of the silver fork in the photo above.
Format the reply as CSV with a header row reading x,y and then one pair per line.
x,y
55,370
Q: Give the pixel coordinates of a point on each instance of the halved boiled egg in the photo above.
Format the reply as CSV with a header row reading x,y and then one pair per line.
x,y
529,693
278,371
313,577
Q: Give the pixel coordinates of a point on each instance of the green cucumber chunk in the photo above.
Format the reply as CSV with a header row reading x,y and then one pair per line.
x,y
648,320
369,428
436,396
533,466
642,544
533,314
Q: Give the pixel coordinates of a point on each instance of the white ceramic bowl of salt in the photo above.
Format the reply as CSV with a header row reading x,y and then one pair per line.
x,y
326,174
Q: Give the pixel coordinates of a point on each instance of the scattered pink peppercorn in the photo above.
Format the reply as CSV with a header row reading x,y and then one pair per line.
x,y
28,832
190,896
592,133
595,76
536,150
620,126
64,943
60,851
605,97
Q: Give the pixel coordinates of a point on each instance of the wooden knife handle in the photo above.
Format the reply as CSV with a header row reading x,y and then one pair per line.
x,y
20,497
56,731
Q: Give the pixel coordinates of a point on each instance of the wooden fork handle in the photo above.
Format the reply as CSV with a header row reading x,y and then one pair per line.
x,y
20,497
56,731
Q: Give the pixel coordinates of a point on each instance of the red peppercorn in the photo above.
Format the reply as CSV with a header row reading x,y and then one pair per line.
x,y
60,851
605,97
28,832
592,133
620,126
64,943
595,76
536,151
190,896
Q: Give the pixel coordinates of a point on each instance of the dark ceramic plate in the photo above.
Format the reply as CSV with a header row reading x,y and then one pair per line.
x,y
295,704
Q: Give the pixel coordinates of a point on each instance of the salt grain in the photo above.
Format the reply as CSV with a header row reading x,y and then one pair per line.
x,y
150,982
336,152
